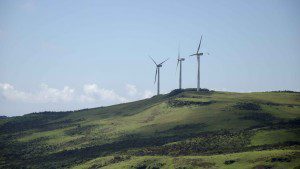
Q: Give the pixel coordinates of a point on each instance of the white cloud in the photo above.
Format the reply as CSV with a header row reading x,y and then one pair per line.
x,y
55,95
147,94
46,94
92,93
86,98
131,89
135,94
66,98
10,93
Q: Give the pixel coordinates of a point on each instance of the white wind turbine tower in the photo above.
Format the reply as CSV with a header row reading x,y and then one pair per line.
x,y
158,66
198,54
179,61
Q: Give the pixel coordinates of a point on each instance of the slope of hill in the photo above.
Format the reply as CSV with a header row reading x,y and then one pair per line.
x,y
182,129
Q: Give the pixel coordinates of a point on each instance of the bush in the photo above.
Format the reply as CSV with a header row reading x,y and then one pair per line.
x,y
247,106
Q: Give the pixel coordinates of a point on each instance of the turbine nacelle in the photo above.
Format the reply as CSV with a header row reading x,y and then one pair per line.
x,y
179,60
178,57
157,71
197,54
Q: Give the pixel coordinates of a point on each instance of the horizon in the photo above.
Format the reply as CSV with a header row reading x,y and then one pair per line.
x,y
182,90
58,56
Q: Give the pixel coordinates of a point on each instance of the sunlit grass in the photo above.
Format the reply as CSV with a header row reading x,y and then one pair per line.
x,y
275,136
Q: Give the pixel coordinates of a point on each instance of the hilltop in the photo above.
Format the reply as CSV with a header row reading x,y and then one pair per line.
x,y
182,129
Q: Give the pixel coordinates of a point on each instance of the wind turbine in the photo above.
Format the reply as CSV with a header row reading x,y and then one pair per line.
x,y
198,54
179,61
158,66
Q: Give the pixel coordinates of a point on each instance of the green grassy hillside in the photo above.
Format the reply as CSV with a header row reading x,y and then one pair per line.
x,y
182,129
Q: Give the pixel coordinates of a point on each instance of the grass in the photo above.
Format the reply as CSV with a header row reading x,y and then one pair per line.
x,y
244,160
220,123
275,136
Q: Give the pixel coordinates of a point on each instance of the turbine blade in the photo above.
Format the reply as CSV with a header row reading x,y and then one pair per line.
x,y
177,64
193,55
199,44
155,76
164,61
153,60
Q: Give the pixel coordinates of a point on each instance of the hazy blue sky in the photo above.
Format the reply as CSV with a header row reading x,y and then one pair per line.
x,y
66,55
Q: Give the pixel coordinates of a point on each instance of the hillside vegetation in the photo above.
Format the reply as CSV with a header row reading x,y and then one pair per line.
x,y
182,129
